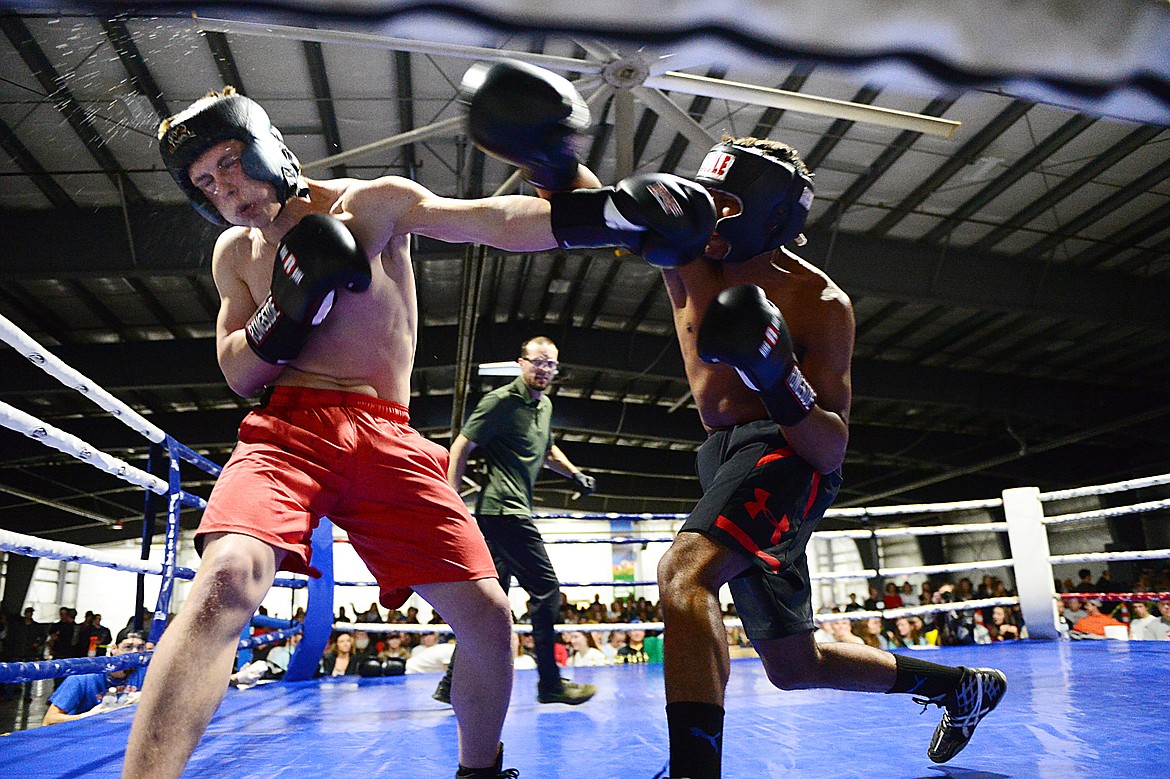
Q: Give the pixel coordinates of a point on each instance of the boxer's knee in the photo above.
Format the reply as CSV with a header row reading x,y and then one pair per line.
x,y
234,574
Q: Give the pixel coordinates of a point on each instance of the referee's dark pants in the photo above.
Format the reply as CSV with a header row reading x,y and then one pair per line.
x,y
518,550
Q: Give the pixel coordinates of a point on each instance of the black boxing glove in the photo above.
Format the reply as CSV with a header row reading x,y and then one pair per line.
x,y
665,219
585,483
528,117
745,330
317,257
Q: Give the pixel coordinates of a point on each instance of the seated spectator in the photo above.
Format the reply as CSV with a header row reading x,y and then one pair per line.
x,y
634,651
394,646
892,599
521,659
853,605
870,632
909,598
1140,621
584,650
1093,625
1073,612
1002,627
615,641
339,659
363,645
906,635
86,694
842,632
1163,624
280,655
430,656
822,635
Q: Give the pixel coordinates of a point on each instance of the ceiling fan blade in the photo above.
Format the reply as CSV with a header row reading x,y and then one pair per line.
x,y
798,101
678,60
446,127
677,118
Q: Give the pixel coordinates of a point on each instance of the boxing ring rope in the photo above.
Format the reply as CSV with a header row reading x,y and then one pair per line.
x,y
48,435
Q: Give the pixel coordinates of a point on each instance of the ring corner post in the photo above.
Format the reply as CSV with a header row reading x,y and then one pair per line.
x,y
319,612
1029,541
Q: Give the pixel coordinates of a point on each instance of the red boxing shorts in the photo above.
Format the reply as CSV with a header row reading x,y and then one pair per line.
x,y
310,453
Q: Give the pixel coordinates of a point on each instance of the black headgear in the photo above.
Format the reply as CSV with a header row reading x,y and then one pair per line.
x,y
774,198
223,118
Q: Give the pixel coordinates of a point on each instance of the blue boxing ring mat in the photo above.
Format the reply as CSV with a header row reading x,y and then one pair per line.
x,y
1073,709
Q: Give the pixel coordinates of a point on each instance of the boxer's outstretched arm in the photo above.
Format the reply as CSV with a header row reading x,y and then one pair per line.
x,y
376,211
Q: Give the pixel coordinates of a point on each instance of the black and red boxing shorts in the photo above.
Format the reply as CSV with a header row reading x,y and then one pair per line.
x,y
763,501
310,453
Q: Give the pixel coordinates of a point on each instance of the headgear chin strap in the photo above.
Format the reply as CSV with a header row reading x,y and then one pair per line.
x,y
774,199
223,118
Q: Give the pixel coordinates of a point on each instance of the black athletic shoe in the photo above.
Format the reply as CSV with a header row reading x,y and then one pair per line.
x,y
570,693
442,693
979,692
486,773
496,771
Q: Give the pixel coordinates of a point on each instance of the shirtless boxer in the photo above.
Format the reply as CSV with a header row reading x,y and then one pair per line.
x,y
317,303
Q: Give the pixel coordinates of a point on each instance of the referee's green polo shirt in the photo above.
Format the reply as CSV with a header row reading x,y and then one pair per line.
x,y
514,433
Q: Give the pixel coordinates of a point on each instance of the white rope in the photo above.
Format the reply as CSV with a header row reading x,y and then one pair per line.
x,y
1092,557
30,546
52,365
1118,511
908,611
919,508
895,532
828,576
1103,489
15,419
949,568
869,573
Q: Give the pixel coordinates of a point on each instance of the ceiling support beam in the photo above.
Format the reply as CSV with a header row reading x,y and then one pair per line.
x,y
29,165
140,75
1016,171
1088,172
61,96
959,160
225,61
323,96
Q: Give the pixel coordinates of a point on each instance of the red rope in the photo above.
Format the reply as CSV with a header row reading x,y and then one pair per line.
x,y
1126,597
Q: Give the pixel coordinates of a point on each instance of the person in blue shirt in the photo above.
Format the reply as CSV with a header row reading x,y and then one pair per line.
x,y
84,694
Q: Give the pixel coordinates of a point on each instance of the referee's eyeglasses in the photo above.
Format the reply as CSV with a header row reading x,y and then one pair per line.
x,y
542,364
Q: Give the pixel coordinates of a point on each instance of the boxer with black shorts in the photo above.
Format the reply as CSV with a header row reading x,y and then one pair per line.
x,y
317,303
767,343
